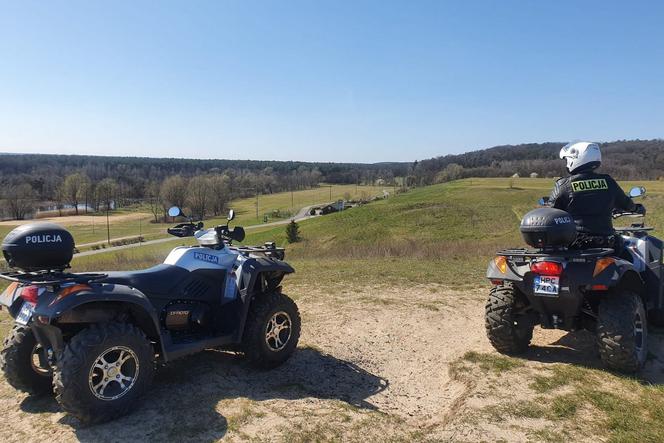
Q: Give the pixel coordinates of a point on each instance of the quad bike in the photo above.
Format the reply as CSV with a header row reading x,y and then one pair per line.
x,y
95,339
614,292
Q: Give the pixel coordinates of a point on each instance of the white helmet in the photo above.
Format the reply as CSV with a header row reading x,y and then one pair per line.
x,y
580,155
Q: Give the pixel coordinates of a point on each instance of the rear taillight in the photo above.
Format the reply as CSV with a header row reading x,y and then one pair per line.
x,y
31,293
549,268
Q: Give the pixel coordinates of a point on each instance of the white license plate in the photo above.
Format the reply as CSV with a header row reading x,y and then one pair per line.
x,y
25,314
546,286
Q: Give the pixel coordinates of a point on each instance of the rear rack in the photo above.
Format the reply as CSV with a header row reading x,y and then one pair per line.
x,y
50,277
564,253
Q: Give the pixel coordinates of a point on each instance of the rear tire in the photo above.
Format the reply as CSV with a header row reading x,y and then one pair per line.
x,y
21,365
622,332
272,331
503,329
103,372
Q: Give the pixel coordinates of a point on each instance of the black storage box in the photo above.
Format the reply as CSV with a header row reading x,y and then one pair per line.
x,y
38,247
548,228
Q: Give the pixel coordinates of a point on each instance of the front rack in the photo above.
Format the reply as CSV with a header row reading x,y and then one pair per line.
x,y
50,277
563,253
258,249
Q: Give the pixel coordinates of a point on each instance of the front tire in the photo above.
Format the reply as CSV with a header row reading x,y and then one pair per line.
x,y
505,332
272,331
103,372
21,363
622,332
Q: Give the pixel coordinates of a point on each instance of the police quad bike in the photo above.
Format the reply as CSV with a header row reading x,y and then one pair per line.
x,y
612,292
95,339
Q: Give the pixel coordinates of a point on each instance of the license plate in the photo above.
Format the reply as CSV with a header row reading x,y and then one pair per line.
x,y
25,314
547,286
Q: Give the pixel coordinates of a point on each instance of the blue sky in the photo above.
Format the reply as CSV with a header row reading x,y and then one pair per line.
x,y
363,81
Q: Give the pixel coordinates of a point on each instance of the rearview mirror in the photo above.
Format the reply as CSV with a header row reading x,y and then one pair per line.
x,y
544,201
174,211
637,191
231,215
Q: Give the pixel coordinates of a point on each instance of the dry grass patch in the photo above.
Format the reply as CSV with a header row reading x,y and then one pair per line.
x,y
559,402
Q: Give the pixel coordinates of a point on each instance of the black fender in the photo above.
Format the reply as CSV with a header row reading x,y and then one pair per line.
x,y
101,303
259,274
621,274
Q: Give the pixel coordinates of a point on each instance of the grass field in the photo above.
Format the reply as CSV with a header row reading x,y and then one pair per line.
x,y
395,291
135,222
444,233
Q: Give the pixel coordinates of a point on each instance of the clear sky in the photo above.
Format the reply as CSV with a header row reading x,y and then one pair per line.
x,y
354,80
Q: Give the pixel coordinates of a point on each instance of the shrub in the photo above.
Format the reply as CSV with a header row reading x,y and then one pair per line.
x,y
293,232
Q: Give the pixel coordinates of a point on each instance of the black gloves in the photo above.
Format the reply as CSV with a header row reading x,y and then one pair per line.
x,y
640,209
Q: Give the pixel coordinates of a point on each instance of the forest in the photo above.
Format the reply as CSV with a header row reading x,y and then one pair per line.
x,y
30,182
624,159
67,183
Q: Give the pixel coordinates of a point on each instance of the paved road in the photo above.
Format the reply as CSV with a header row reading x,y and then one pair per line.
x,y
303,214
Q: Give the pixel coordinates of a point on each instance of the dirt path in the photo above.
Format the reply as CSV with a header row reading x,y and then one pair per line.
x,y
372,365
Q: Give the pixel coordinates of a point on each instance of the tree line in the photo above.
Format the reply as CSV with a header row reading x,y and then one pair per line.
x,y
30,181
623,159
78,183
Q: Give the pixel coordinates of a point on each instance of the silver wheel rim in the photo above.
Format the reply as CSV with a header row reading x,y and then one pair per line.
x,y
278,331
113,373
35,362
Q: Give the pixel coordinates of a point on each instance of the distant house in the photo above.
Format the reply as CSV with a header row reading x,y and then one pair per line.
x,y
516,175
534,175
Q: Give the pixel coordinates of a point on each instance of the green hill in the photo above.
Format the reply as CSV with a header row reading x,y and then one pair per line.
x,y
444,234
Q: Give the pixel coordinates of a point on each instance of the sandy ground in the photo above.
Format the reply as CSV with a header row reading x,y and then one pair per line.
x,y
372,365
76,219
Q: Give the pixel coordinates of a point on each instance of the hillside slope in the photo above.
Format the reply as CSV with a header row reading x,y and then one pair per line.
x,y
625,159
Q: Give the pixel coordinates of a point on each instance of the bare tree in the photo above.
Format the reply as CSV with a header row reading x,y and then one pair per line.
x,y
219,186
198,196
106,190
19,200
152,197
74,189
173,192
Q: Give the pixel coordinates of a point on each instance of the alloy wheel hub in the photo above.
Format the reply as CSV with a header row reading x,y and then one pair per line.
x,y
113,373
278,331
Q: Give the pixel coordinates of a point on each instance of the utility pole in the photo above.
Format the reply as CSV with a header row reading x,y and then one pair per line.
x,y
108,226
256,202
329,186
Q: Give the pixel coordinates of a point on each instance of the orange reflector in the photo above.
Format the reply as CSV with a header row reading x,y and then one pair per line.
x,y
501,263
497,282
602,264
70,290
599,288
11,289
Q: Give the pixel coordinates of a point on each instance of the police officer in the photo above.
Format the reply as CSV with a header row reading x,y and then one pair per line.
x,y
590,197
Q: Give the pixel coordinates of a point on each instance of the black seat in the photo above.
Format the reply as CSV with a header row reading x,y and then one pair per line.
x,y
160,279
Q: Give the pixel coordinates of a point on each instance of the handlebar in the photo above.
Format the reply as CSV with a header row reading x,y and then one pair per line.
x,y
639,212
185,229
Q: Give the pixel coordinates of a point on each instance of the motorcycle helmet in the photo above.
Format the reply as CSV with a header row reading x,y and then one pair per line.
x,y
581,156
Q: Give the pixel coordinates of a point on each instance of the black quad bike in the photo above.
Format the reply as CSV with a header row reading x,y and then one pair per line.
x,y
96,339
613,292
